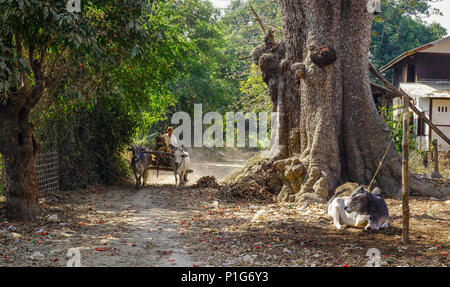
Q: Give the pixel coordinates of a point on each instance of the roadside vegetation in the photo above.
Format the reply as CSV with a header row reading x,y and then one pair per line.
x,y
116,87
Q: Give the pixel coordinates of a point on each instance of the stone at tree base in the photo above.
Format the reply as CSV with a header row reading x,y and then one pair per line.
x,y
321,188
285,194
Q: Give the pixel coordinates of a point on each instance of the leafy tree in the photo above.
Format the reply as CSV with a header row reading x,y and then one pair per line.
x,y
243,32
204,75
395,126
400,28
35,36
254,94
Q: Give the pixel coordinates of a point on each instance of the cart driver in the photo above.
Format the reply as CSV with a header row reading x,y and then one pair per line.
x,y
170,139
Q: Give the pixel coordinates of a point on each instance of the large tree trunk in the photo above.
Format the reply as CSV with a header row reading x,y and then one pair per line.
x,y
318,77
19,148
20,153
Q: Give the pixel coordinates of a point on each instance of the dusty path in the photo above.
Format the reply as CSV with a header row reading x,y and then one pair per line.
x,y
162,225
111,226
154,235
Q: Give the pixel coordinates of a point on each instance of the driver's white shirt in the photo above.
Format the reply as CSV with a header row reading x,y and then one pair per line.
x,y
171,140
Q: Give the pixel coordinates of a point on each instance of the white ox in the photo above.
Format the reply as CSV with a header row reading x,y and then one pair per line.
x,y
182,164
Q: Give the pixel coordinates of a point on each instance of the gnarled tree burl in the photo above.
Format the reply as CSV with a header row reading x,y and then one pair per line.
x,y
318,77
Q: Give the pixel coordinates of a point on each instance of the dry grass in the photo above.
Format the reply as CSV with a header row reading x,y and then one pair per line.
x,y
417,166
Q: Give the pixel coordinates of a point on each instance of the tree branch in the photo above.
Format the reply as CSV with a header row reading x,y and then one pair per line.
x,y
245,58
258,19
19,50
49,74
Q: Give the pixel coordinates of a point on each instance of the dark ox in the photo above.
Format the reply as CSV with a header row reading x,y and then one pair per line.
x,y
371,203
362,209
140,163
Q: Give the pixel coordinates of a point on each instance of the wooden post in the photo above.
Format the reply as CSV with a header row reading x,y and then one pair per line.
x,y
405,171
436,173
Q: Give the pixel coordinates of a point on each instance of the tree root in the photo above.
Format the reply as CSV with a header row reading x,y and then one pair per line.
x,y
301,182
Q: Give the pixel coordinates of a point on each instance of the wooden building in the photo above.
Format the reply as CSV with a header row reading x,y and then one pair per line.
x,y
424,74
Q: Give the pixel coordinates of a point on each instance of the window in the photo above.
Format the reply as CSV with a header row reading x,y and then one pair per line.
x,y
420,127
442,109
411,74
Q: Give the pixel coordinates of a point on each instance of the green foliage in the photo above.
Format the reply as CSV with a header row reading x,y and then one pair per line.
x,y
400,28
243,33
204,71
90,142
116,70
395,125
108,66
33,32
254,94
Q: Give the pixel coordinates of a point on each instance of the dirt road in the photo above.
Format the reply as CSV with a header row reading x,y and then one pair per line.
x,y
110,226
154,228
163,225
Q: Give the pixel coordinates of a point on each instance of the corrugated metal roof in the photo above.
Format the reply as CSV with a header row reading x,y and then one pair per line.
x,y
427,89
412,52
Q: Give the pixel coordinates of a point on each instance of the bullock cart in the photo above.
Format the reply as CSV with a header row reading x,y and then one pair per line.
x,y
161,160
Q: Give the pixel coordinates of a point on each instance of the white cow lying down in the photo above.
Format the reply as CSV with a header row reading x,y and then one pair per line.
x,y
362,209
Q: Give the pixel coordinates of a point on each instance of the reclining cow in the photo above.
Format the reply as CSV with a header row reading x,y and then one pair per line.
x,y
140,163
181,165
363,209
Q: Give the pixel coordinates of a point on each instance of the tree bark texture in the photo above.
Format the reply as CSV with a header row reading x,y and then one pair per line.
x,y
318,77
19,147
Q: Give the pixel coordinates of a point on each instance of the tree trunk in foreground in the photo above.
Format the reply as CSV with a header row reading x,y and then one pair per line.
x,y
318,77
19,148
21,180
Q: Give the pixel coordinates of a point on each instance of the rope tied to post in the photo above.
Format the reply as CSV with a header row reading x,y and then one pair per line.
x,y
379,166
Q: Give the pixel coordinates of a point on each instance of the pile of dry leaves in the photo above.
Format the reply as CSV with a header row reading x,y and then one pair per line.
x,y
250,188
207,182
